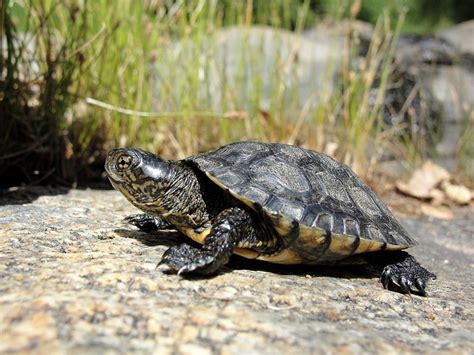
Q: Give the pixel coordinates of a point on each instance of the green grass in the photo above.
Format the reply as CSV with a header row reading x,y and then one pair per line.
x,y
466,150
93,85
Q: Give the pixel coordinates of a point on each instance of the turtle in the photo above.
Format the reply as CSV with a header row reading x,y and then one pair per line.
x,y
274,202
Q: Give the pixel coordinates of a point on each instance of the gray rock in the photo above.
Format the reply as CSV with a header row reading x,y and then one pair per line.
x,y
438,72
453,87
444,68
243,63
461,35
74,279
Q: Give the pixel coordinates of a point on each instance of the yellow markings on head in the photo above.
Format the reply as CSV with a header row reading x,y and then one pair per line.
x,y
127,194
131,175
149,188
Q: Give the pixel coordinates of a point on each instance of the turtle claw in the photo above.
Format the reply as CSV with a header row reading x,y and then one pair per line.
x,y
404,284
407,275
180,271
385,278
420,285
160,263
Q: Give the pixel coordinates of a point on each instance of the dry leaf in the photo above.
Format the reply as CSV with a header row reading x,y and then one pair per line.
x,y
437,211
424,180
457,193
437,197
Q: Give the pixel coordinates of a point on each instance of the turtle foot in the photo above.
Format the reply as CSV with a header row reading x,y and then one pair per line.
x,y
186,259
407,275
147,223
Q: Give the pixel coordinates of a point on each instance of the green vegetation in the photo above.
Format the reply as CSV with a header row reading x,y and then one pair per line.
x,y
423,16
466,150
79,77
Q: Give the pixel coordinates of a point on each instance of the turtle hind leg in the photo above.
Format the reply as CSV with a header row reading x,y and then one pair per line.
x,y
406,274
230,228
148,223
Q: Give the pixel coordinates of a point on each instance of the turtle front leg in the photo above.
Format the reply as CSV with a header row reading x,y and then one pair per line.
x,y
231,228
148,223
406,274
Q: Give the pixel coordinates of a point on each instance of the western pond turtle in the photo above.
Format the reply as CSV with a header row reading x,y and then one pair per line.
x,y
267,201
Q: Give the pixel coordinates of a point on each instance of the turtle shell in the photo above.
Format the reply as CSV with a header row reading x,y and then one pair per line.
x,y
320,208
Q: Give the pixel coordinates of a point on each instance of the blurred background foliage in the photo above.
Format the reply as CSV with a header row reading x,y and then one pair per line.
x,y
79,77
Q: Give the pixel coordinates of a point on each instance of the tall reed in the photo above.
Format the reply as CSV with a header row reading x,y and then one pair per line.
x,y
79,77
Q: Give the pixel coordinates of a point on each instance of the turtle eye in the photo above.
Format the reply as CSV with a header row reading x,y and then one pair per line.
x,y
124,161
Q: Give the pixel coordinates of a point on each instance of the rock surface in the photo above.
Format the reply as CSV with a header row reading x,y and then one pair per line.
x,y
235,56
460,35
74,279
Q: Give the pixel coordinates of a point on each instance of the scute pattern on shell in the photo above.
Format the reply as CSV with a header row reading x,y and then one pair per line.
x,y
304,186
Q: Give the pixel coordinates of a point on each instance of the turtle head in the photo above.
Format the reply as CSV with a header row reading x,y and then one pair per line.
x,y
159,187
140,176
